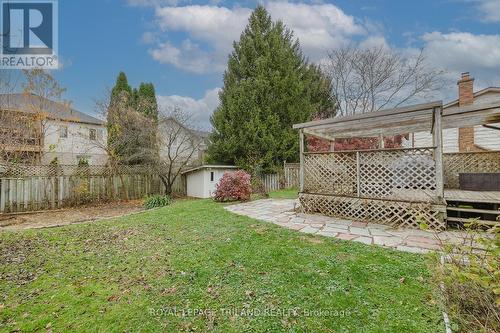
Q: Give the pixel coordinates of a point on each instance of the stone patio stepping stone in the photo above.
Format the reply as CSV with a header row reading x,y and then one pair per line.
x,y
378,226
309,230
296,226
422,239
346,236
379,232
359,231
340,221
327,233
422,245
364,240
281,212
412,249
337,226
327,228
391,241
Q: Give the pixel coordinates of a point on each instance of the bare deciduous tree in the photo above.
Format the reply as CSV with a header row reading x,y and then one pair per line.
x,y
167,145
179,144
370,79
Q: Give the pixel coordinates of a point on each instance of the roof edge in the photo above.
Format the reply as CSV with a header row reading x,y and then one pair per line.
x,y
210,166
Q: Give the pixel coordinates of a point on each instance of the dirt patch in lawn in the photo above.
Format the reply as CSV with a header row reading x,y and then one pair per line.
x,y
53,218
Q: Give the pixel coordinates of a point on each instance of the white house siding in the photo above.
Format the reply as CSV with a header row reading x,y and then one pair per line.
x,y
77,144
487,138
181,148
483,137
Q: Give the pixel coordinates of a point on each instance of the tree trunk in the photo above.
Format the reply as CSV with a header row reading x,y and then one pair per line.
x,y
167,184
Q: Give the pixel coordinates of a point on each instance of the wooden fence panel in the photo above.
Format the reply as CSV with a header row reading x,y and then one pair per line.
x,y
287,178
42,193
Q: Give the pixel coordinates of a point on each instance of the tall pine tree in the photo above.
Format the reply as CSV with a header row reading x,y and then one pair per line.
x,y
268,86
146,100
121,96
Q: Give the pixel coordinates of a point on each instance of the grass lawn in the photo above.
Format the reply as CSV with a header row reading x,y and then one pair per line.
x,y
193,266
290,193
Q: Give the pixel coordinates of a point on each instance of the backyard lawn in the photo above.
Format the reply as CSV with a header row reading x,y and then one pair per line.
x,y
193,266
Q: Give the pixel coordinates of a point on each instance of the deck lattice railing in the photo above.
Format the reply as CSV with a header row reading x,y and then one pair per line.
x,y
398,174
456,163
391,186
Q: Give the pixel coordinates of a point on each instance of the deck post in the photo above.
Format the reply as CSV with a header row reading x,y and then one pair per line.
x,y
301,172
437,136
358,175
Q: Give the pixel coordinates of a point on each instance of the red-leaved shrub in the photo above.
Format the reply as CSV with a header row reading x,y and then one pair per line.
x,y
233,186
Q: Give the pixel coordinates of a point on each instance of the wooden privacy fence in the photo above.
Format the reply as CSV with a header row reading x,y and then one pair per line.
x,y
291,174
287,178
42,187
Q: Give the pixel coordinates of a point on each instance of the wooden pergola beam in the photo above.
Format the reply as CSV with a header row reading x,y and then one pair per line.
x,y
361,118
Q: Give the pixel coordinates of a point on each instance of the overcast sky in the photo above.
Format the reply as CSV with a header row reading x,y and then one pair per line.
x,y
182,46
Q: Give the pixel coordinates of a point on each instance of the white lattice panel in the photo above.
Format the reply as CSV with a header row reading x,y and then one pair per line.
x,y
402,174
332,173
456,163
393,213
398,174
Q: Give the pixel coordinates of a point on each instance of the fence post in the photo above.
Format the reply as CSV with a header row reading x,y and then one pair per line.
x,y
301,173
438,154
3,193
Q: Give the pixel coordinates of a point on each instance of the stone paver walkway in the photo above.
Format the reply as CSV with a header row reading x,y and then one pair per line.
x,y
281,212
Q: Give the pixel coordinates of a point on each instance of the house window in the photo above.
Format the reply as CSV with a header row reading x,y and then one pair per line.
x,y
100,134
63,131
92,134
211,176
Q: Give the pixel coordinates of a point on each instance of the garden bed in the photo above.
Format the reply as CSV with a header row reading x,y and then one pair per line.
x,y
67,216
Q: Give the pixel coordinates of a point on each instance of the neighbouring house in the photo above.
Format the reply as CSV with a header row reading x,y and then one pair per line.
x,y
467,139
201,181
38,130
178,143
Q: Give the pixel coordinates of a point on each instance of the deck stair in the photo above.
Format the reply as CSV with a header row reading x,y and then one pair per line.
x,y
461,208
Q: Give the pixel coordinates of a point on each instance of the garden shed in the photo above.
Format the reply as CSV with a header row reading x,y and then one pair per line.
x,y
402,187
201,181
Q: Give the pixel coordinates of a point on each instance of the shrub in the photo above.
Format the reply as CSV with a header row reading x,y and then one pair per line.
x,y
233,186
470,277
157,201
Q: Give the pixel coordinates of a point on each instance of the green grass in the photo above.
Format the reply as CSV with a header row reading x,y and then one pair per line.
x,y
119,275
290,193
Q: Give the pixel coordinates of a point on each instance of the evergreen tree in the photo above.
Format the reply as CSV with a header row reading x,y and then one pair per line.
x,y
121,86
146,100
268,86
120,100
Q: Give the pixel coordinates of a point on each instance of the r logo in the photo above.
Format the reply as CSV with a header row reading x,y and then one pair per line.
x,y
29,28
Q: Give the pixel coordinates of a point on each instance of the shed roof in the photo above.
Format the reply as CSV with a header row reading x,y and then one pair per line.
x,y
210,166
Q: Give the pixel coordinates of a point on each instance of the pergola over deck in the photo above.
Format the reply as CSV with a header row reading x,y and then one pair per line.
x,y
400,187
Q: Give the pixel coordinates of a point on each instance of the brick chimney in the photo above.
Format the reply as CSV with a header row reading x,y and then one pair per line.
x,y
465,90
466,97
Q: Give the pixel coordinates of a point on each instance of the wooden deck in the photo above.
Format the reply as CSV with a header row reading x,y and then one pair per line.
x,y
492,197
